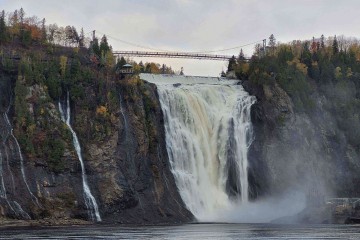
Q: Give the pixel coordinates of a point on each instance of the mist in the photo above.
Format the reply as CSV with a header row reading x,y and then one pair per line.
x,y
260,211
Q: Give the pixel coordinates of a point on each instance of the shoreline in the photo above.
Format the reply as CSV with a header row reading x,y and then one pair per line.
x,y
13,223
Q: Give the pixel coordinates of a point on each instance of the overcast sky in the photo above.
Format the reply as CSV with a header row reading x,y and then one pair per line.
x,y
198,25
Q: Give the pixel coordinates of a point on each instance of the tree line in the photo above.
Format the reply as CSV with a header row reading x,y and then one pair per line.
x,y
17,27
328,67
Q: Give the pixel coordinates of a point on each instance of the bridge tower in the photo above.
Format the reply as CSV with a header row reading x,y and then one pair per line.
x,y
264,46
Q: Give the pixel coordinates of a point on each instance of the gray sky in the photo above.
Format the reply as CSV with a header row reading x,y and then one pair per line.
x,y
195,25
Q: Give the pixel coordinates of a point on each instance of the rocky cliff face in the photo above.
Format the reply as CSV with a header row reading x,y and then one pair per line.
x,y
121,132
300,151
126,160
131,171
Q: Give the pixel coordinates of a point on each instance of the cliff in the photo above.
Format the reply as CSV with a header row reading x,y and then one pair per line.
x,y
298,151
119,124
303,142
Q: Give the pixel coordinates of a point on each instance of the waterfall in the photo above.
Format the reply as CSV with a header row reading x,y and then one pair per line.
x,y
90,201
122,113
22,168
6,131
208,133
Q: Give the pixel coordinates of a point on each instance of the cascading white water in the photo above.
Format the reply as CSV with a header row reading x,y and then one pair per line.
x,y
5,133
90,201
122,113
208,133
22,168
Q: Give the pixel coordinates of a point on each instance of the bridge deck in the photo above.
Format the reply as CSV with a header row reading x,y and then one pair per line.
x,y
173,55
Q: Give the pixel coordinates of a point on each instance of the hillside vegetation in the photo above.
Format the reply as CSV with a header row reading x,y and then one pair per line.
x,y
49,61
307,70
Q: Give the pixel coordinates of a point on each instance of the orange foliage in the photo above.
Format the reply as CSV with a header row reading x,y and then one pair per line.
x,y
35,31
155,68
101,110
314,46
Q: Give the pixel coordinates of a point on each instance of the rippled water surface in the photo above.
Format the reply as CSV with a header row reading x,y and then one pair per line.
x,y
190,231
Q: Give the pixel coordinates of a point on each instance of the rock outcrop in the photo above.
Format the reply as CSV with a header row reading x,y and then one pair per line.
x,y
126,162
120,127
300,151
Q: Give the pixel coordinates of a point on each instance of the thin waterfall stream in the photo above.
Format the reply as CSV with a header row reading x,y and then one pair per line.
x,y
6,135
90,201
22,168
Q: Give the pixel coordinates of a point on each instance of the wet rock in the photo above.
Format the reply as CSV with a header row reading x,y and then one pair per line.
x,y
301,151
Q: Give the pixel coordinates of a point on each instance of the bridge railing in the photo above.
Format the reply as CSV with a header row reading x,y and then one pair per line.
x,y
173,55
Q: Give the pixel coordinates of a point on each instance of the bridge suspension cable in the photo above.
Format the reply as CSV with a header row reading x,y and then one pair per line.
x,y
174,55
132,44
227,49
190,52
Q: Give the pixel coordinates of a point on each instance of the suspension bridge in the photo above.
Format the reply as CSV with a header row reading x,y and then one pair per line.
x,y
200,56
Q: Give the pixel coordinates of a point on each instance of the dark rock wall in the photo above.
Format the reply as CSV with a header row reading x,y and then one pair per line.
x,y
299,151
131,171
128,170
127,164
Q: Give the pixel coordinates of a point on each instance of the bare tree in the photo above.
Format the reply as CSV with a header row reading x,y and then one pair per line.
x,y
60,37
51,31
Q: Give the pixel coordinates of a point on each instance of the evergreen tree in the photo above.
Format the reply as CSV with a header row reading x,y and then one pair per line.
x,y
272,43
24,34
148,68
21,16
3,30
95,47
241,56
121,62
272,40
232,63
26,38
284,55
22,30
43,30
322,41
335,46
14,19
141,65
306,55
104,46
82,38
14,23
75,69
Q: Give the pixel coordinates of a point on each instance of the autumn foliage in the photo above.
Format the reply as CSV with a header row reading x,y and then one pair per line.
x,y
101,110
16,27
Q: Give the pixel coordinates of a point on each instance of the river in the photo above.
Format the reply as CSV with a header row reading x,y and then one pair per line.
x,y
188,231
